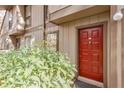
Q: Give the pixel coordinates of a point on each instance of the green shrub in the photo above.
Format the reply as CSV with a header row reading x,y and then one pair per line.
x,y
35,67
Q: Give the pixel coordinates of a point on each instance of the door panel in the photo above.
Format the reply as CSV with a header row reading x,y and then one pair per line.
x,y
91,53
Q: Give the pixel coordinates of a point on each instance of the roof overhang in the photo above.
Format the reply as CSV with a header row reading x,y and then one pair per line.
x,y
76,11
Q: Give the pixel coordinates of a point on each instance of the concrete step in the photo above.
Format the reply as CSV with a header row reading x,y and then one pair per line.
x,y
80,84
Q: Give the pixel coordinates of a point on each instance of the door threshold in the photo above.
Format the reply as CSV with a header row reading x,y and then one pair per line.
x,y
89,81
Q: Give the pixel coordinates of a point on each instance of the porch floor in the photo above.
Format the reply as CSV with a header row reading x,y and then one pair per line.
x,y
80,84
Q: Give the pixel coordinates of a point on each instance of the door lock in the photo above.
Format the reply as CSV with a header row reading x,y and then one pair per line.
x,y
90,42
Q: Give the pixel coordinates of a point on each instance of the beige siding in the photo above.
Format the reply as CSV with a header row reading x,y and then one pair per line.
x,y
35,35
50,27
75,12
68,32
68,35
53,8
37,15
116,52
122,49
68,44
36,29
73,42
5,24
4,33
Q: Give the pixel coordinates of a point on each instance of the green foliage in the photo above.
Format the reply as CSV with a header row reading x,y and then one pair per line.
x,y
35,67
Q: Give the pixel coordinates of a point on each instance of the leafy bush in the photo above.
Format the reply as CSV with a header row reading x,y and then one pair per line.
x,y
35,67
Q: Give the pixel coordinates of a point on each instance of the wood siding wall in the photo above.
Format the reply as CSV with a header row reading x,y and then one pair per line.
x,y
4,33
36,29
68,33
68,37
36,15
122,37
54,8
116,50
15,10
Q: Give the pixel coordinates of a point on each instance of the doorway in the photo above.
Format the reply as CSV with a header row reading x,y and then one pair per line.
x,y
91,53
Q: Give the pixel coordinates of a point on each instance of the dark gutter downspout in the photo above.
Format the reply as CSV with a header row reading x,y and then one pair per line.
x,y
44,23
3,21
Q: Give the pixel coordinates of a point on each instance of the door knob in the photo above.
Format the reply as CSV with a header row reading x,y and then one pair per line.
x,y
89,38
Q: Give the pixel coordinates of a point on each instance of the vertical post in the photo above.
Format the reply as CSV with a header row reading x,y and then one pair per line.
x,y
113,49
122,48
119,53
116,50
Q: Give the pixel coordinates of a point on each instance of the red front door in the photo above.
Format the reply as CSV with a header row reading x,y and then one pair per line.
x,y
91,53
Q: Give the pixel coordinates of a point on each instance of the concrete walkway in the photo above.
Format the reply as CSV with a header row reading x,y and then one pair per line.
x,y
80,84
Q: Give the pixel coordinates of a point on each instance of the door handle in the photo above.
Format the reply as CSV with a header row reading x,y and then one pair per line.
x,y
89,38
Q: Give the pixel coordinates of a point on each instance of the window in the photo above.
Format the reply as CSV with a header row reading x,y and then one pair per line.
x,y
52,39
17,43
28,15
10,18
28,41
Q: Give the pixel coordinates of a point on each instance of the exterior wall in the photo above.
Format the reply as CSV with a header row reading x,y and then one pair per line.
x,y
116,50
54,8
36,28
120,50
68,33
17,13
122,37
74,12
113,49
68,36
37,15
50,27
35,31
4,33
68,43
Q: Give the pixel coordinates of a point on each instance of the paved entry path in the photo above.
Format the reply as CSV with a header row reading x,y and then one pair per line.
x,y
80,84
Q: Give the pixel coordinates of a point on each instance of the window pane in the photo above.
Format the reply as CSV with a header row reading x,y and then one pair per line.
x,y
28,41
17,43
28,11
28,22
10,19
52,40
